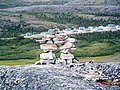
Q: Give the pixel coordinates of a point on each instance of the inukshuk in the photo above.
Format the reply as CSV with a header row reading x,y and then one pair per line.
x,y
49,44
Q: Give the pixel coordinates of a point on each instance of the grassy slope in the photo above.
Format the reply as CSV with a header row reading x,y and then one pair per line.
x,y
100,49
18,52
88,48
109,58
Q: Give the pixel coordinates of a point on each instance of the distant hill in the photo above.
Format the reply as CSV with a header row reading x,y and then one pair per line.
x,y
16,3
94,2
34,1
71,2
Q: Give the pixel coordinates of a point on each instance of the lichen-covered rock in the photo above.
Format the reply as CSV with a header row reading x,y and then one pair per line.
x,y
57,77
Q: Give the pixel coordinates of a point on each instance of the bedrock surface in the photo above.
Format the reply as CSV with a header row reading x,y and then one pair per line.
x,y
80,76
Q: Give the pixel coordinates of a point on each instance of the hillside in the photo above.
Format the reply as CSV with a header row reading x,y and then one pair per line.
x,y
16,3
25,51
94,2
51,2
83,2
28,16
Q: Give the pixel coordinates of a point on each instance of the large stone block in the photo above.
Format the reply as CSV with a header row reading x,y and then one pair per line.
x,y
48,56
66,45
66,56
48,46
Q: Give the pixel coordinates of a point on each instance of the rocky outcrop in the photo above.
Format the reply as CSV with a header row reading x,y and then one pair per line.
x,y
81,76
81,2
63,8
94,2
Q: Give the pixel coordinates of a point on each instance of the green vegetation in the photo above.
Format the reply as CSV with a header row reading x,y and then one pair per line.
x,y
18,49
25,51
16,31
97,44
88,45
17,62
26,21
79,18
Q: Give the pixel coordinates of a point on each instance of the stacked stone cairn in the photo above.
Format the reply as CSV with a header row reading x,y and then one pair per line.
x,y
49,44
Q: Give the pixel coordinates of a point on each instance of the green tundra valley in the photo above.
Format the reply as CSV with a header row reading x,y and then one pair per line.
x,y
18,17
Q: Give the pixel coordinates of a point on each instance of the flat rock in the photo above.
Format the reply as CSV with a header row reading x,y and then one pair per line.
x,y
66,56
47,56
55,77
66,45
48,46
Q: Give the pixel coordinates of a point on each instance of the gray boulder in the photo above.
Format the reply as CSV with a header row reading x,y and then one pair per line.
x,y
55,77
